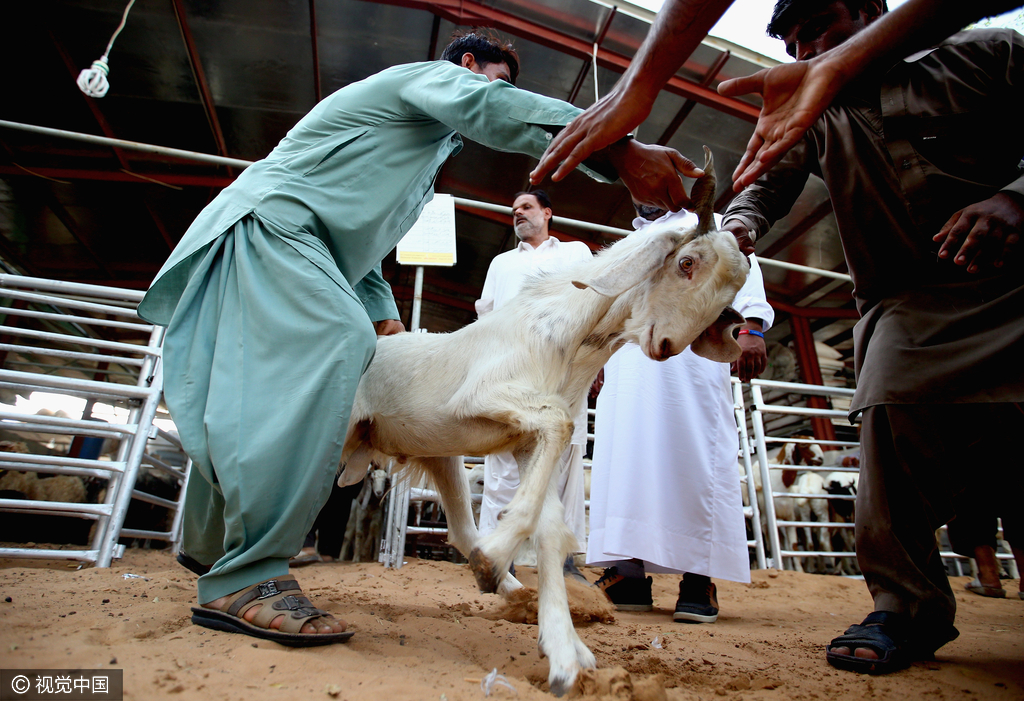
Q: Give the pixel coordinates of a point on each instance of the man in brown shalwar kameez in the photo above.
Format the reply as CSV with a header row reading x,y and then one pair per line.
x,y
922,163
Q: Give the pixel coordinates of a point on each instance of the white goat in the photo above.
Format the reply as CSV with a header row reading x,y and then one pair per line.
x,y
475,476
843,511
807,508
366,519
794,454
511,381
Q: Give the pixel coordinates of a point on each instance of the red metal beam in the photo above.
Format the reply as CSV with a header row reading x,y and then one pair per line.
x,y
217,181
108,132
468,12
585,68
688,106
200,77
798,230
810,373
435,30
316,50
814,312
404,293
58,209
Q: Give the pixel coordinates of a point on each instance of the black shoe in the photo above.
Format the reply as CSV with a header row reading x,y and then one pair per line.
x,y
698,600
569,569
191,564
627,593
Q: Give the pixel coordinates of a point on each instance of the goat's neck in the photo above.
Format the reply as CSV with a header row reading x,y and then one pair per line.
x,y
585,330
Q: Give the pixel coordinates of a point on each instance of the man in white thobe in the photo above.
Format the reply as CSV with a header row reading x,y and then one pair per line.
x,y
665,493
538,252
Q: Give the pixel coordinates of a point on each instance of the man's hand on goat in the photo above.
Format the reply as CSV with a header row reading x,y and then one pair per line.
x,y
983,234
652,173
388,327
742,234
601,125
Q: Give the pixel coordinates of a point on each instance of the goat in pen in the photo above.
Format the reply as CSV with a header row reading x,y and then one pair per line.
x,y
508,381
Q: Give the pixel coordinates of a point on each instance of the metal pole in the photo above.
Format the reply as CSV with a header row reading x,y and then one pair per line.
x,y
417,300
755,521
130,145
805,269
555,221
240,163
766,478
131,453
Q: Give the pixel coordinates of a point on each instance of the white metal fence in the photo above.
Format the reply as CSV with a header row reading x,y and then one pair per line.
x,y
769,401
83,341
790,400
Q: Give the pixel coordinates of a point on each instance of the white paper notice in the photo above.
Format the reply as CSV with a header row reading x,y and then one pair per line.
x,y
431,240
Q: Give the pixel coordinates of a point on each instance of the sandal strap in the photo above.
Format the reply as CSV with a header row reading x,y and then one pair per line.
x,y
259,593
298,611
272,596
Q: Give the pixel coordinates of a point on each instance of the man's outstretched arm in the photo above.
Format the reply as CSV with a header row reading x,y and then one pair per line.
x,y
630,101
796,94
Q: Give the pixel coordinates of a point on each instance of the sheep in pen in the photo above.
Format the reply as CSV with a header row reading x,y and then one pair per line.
x,y
508,381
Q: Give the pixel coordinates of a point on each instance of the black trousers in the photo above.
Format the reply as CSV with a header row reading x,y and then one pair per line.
x,y
919,464
328,531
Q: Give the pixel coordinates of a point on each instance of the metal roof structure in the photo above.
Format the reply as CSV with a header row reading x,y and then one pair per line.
x,y
230,77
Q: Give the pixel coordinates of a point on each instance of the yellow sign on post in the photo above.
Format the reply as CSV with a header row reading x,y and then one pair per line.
x,y
431,240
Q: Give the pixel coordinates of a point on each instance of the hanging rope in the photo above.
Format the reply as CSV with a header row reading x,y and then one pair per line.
x,y
93,81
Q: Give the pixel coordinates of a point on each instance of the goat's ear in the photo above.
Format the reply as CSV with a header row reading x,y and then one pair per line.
x,y
632,269
716,342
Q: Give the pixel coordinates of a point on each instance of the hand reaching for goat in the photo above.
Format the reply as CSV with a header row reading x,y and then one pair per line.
x,y
652,173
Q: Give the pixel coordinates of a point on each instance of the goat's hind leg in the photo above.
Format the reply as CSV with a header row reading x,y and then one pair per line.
x,y
451,482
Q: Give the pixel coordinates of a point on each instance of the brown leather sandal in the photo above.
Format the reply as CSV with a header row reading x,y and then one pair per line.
x,y
273,595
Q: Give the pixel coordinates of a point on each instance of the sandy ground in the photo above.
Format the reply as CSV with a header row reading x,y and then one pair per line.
x,y
424,632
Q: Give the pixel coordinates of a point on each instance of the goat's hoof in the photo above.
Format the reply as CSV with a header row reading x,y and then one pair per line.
x,y
562,684
485,571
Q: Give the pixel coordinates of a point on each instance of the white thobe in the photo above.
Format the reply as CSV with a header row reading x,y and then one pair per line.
x,y
505,277
664,484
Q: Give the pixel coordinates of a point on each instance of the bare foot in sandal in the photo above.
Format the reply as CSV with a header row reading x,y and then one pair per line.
x,y
319,625
865,653
299,623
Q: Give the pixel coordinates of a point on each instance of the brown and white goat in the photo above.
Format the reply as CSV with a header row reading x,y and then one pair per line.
x,y
511,381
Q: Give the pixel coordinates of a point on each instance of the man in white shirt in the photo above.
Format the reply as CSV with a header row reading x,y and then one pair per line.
x,y
665,493
537,253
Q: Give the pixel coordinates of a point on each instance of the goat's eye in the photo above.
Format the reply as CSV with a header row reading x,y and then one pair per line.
x,y
686,264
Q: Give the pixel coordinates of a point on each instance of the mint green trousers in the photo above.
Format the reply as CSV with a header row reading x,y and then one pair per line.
x,y
262,358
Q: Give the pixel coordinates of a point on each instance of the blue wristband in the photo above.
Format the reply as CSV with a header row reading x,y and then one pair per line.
x,y
752,332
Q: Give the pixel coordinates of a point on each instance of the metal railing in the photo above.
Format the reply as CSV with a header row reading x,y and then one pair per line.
x,y
83,341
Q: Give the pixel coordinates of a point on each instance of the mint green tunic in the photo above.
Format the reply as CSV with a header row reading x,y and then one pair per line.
x,y
269,296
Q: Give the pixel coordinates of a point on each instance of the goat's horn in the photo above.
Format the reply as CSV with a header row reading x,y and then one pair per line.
x,y
703,196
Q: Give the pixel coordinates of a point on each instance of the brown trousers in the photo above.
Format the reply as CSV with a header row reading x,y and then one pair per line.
x,y
917,462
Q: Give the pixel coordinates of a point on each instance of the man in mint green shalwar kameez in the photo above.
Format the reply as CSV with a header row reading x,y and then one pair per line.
x,y
268,301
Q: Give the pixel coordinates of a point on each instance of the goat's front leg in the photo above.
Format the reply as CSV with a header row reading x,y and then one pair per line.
x,y
491,558
558,638
450,480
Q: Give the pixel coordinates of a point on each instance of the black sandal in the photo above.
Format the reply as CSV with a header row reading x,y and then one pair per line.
x,y
273,596
882,631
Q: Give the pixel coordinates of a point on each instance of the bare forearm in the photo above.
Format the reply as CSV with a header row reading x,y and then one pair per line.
x,y
914,25
676,32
